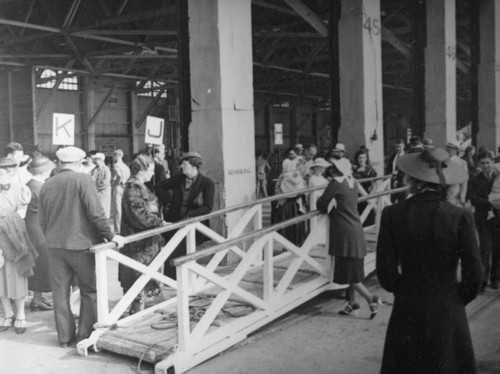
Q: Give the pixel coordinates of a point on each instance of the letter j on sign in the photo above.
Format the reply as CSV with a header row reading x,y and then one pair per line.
x,y
63,129
154,130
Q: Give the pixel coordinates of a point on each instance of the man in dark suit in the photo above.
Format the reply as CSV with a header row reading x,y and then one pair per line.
x,y
73,220
486,218
392,169
184,196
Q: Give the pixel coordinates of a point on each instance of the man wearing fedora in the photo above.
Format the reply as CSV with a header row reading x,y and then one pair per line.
x,y
184,196
393,170
453,149
486,217
73,220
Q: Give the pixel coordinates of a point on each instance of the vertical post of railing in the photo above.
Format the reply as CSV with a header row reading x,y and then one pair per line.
x,y
258,218
191,248
102,286
268,271
380,207
258,221
183,327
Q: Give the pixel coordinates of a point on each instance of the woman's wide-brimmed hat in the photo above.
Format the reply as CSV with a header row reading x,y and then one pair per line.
x,y
7,162
320,162
40,164
432,165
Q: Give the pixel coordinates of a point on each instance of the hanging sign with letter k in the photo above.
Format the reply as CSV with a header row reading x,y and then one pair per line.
x,y
63,129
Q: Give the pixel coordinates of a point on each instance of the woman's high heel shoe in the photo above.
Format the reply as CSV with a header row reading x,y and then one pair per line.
x,y
350,309
376,301
7,323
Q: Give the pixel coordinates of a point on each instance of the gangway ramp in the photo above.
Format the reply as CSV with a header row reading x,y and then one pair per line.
x,y
214,305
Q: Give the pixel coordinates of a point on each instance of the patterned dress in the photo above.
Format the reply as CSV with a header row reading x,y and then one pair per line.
x,y
139,213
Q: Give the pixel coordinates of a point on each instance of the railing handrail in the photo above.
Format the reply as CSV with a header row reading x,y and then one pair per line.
x,y
162,229
259,233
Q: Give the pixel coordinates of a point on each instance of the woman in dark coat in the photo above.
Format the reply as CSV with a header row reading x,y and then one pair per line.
x,y
420,243
291,179
140,212
40,168
347,239
186,195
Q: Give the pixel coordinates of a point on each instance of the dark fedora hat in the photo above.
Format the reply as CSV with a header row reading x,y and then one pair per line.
x,y
40,164
432,165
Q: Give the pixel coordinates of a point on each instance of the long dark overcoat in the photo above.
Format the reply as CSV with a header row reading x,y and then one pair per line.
x,y
347,238
420,243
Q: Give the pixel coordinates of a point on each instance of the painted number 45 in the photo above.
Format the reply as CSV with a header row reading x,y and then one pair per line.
x,y
372,25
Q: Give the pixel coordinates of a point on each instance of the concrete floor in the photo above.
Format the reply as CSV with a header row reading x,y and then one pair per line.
x,y
311,339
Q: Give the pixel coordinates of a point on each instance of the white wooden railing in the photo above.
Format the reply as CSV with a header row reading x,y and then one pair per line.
x,y
277,296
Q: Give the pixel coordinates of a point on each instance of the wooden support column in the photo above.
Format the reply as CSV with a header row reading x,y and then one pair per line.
x,y
12,136
222,127
88,132
474,69
292,112
268,131
136,136
360,56
184,86
418,42
334,69
489,75
440,72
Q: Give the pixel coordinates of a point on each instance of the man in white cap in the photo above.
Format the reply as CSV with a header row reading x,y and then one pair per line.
x,y
119,176
102,177
73,220
342,163
453,149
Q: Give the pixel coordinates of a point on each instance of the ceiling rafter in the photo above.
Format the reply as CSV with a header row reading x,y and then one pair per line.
x,y
71,14
28,15
310,17
82,34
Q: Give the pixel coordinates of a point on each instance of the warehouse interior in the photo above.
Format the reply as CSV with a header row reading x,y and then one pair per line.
x,y
112,63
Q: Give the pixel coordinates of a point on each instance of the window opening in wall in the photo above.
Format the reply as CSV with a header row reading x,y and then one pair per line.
x,y
150,88
49,77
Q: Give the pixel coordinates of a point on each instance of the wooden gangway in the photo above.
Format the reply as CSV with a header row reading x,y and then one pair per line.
x,y
224,292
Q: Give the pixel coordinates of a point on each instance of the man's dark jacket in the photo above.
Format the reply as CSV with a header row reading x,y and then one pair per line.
x,y
200,201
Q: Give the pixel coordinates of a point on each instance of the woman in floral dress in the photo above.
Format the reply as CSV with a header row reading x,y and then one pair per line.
x,y
140,212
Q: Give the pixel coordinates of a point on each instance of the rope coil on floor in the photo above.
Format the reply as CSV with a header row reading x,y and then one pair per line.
x,y
196,312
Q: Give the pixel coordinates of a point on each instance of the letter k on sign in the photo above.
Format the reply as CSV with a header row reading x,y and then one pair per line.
x,y
63,129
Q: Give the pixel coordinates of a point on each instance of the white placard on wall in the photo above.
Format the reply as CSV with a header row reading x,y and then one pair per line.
x,y
278,133
63,129
154,130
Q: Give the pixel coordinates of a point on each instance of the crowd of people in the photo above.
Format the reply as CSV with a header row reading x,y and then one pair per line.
x,y
438,244
53,211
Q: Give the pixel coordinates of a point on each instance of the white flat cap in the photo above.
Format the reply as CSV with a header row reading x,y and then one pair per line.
x,y
99,155
70,154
